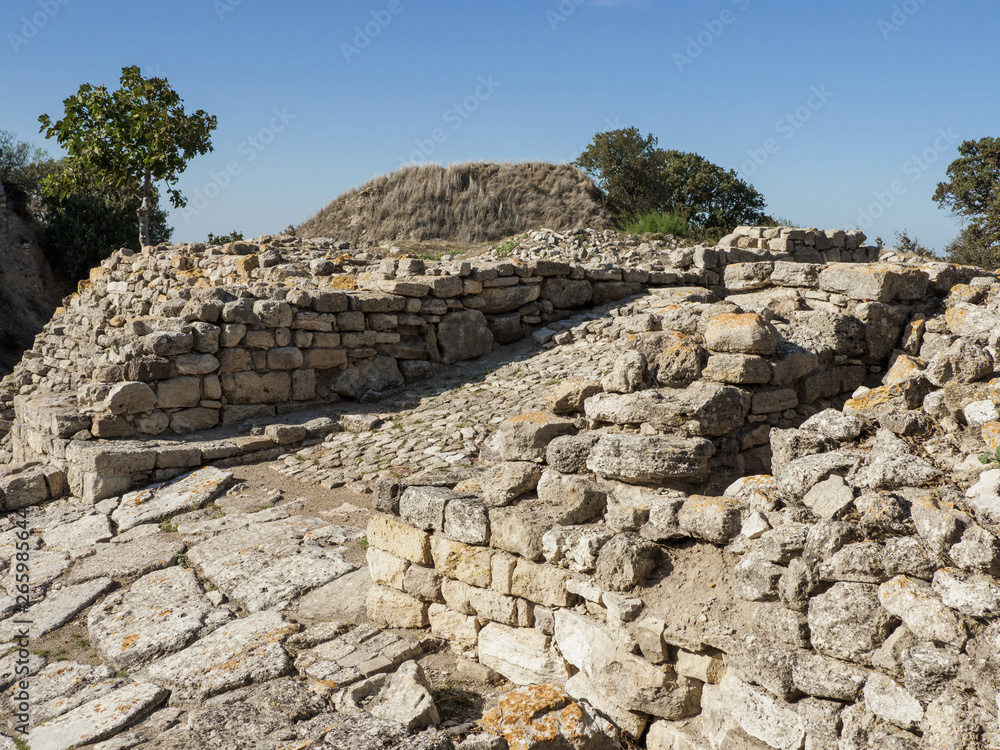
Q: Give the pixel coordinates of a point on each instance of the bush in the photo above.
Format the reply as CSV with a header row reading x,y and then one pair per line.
x,y
224,239
907,244
974,246
653,223
639,178
85,228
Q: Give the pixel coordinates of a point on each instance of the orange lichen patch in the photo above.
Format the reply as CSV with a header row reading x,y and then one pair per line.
x,y
881,396
965,293
535,715
83,285
904,368
469,485
342,281
716,504
730,321
130,641
954,317
991,434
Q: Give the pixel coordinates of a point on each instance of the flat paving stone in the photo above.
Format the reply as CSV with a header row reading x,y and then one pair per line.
x,y
98,719
53,689
159,614
128,560
162,501
241,653
63,605
350,658
342,600
264,566
43,568
10,666
85,532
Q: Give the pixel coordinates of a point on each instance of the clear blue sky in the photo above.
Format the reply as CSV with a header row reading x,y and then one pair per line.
x,y
835,100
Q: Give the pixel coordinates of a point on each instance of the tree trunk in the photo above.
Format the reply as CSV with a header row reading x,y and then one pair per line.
x,y
143,213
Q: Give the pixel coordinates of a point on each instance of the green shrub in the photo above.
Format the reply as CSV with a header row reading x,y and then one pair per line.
x,y
654,223
224,239
907,244
84,228
974,246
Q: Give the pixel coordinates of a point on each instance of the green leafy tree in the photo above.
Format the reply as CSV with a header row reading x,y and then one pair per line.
x,y
129,139
972,193
974,246
639,178
709,197
907,244
626,167
86,226
22,169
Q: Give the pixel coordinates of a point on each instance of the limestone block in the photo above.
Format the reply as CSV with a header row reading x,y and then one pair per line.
x,y
178,393
640,458
747,333
401,539
524,656
463,562
385,568
847,622
130,398
467,520
879,283
526,436
714,519
464,334
395,609
460,631
423,507
541,584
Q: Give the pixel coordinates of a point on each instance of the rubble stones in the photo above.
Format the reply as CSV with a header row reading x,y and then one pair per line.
x,y
848,622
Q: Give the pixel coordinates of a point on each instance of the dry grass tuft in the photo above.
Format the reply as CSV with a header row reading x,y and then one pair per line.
x,y
473,202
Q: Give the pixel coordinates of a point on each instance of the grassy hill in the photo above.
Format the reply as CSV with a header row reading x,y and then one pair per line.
x,y
473,202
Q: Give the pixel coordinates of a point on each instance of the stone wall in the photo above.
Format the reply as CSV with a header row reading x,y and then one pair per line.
x,y
185,338
846,597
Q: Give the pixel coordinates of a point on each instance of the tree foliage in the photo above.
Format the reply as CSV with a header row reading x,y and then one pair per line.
x,y
128,139
972,193
84,227
22,169
639,178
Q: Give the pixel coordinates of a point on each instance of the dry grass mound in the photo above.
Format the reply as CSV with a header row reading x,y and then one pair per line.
x,y
473,202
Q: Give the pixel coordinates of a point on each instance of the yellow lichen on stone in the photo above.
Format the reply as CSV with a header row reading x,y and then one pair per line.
x,y
342,281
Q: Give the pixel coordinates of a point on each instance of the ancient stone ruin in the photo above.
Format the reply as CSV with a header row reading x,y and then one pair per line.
x,y
755,507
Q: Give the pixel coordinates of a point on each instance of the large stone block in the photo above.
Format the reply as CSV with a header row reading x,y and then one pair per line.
x,y
389,534
178,393
847,622
645,459
878,283
254,388
464,335
395,609
526,436
463,562
748,333
523,655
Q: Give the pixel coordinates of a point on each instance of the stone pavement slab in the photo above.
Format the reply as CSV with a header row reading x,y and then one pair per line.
x,y
98,719
159,614
241,653
162,501
264,566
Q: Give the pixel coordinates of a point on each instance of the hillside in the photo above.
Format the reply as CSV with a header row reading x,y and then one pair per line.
x,y
473,202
